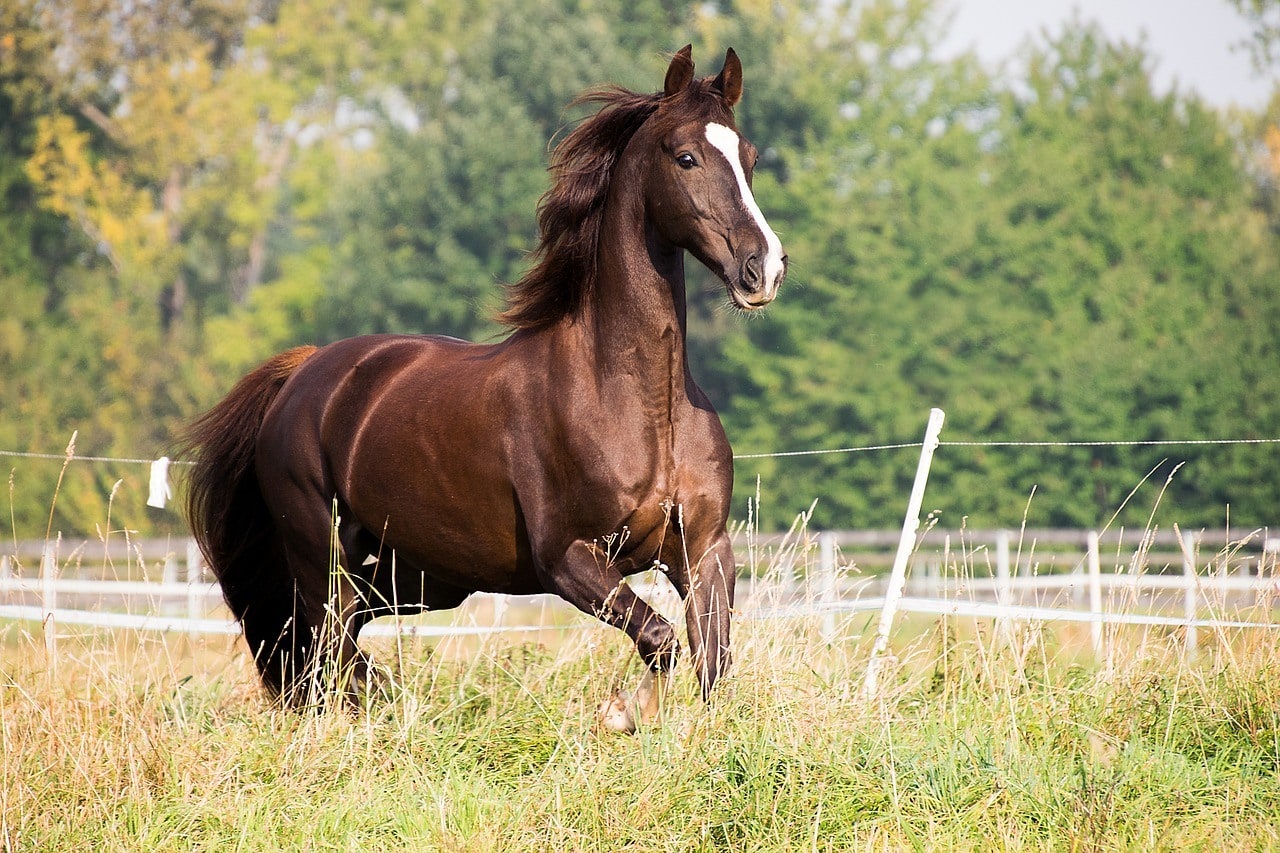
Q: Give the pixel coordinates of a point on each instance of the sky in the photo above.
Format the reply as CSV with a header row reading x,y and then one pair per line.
x,y
1190,41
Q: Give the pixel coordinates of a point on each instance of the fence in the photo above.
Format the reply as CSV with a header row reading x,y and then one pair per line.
x,y
823,575
841,581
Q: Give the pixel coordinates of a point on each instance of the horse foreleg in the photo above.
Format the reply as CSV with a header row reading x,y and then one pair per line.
x,y
708,603
587,581
627,711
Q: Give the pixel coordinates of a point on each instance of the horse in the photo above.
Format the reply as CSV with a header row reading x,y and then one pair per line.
x,y
400,473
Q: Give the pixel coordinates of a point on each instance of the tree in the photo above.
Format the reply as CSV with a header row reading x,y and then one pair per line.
x,y
1264,17
1072,263
125,134
192,186
437,212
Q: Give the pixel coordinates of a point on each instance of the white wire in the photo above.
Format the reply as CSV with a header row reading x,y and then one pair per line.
x,y
1115,443
21,454
782,454
785,453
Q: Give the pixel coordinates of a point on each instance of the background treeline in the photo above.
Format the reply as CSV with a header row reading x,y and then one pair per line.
x,y
1060,253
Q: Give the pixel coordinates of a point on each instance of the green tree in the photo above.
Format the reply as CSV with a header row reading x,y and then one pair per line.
x,y
190,187
123,135
419,231
1068,263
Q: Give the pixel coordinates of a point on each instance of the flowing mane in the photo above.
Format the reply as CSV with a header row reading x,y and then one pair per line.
x,y
572,210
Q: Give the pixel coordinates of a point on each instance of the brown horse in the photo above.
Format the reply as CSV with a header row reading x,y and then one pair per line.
x,y
393,473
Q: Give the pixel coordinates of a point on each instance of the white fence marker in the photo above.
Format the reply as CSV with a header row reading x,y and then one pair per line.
x,y
898,577
159,490
827,583
1189,601
1095,592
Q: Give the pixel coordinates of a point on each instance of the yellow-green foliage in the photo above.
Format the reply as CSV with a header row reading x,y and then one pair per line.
x,y
1062,253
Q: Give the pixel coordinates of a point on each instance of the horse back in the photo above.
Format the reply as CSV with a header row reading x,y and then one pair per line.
x,y
481,459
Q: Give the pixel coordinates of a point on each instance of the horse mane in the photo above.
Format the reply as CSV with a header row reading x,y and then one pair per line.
x,y
571,212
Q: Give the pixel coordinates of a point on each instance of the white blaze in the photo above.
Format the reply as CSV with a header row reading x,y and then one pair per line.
x,y
725,140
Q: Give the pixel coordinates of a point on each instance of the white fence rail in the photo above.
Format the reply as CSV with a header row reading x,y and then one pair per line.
x,y
987,574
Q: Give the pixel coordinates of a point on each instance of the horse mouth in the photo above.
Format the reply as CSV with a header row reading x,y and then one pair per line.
x,y
750,301
748,295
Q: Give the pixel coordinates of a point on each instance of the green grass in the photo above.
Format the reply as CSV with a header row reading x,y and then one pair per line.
x,y
138,743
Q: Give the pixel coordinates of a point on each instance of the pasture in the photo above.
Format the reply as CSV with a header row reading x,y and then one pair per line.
x,y
128,741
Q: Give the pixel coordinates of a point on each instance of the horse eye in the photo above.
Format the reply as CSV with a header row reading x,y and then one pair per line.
x,y
686,161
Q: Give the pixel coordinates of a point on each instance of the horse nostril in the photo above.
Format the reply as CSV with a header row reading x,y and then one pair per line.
x,y
751,272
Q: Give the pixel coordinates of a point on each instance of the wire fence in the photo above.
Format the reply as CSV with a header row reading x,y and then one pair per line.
x,y
774,454
160,491
184,599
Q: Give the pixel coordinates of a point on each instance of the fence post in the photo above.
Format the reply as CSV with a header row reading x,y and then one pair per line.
x,y
169,579
49,604
827,583
1222,578
1270,549
195,596
1004,583
943,590
1095,592
898,577
1189,601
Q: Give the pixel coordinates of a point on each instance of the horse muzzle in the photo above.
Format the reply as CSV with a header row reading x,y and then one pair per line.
x,y
759,280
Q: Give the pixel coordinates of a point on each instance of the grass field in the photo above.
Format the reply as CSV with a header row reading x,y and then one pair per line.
x,y
130,742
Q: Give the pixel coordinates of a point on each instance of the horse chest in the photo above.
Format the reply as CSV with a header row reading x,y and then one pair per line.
x,y
646,457
683,482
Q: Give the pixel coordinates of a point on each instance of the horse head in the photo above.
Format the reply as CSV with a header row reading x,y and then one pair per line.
x,y
697,186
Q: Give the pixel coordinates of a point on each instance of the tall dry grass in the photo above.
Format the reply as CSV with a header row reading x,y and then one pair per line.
x,y
976,742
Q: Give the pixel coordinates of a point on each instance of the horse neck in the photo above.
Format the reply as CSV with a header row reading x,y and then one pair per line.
x,y
636,317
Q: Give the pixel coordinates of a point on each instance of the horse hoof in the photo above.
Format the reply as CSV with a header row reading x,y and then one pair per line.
x,y
615,714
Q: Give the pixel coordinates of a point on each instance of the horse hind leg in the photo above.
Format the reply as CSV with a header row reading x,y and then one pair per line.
x,y
331,614
271,617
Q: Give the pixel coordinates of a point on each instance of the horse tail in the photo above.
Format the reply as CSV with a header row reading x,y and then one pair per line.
x,y
230,521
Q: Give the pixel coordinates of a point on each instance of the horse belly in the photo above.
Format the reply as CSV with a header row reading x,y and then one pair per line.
x,y
457,525
481,554
415,447
449,518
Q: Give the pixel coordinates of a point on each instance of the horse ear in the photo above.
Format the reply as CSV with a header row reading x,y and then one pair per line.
x,y
680,72
729,81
